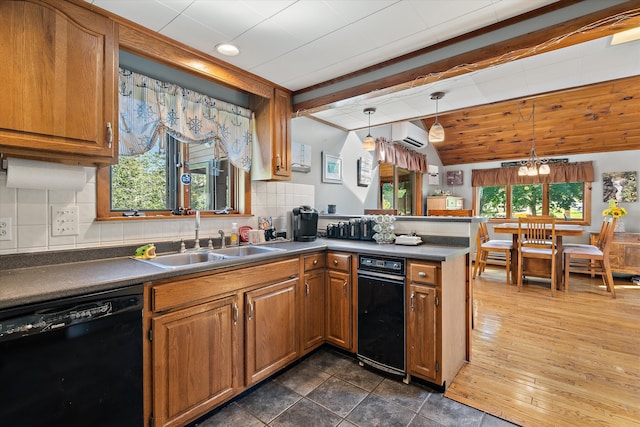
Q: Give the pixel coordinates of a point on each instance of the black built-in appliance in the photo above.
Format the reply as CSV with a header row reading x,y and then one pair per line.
x,y
381,313
73,362
305,224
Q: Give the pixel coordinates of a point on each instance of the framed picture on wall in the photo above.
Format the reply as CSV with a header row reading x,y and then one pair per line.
x,y
454,177
331,168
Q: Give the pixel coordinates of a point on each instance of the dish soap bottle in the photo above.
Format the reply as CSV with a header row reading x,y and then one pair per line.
x,y
234,239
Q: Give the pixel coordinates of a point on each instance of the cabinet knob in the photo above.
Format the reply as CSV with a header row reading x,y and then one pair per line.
x,y
335,262
344,288
315,262
422,274
413,294
278,162
306,287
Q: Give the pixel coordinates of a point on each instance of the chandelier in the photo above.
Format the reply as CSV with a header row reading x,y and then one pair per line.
x,y
533,166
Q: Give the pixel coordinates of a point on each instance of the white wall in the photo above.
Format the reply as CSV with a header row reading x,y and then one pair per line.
x,y
348,197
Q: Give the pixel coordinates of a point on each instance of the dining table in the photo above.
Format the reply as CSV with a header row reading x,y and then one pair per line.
x,y
541,269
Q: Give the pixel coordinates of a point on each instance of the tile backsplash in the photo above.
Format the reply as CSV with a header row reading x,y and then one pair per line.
x,y
30,212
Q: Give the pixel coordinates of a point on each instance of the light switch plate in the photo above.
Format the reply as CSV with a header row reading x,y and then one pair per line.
x,y
5,228
64,220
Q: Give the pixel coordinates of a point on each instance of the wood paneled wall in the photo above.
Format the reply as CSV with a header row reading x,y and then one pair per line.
x,y
598,118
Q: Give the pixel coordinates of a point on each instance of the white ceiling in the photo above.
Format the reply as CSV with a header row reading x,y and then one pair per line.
x,y
300,43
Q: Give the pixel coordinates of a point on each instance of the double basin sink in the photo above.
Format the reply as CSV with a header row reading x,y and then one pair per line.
x,y
202,256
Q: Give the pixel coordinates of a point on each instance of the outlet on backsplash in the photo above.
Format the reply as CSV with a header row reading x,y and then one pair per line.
x,y
5,228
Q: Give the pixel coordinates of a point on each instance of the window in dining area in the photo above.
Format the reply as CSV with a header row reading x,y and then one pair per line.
x,y
565,194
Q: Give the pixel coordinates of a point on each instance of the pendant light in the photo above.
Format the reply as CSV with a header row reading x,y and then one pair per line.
x,y
436,133
369,143
533,166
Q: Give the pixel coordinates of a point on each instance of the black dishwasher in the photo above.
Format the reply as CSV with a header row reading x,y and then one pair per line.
x,y
73,362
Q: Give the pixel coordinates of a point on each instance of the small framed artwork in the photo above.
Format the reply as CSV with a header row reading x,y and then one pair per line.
x,y
620,186
331,168
364,171
454,177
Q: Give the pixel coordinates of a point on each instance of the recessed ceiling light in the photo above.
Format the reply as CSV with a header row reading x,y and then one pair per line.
x,y
227,49
626,36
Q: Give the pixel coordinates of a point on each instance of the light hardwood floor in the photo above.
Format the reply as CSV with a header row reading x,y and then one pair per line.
x,y
572,360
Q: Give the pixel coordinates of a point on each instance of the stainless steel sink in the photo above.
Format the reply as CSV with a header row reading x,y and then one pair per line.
x,y
240,251
187,258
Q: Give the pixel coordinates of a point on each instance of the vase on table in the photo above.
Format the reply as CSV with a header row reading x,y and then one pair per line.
x,y
619,228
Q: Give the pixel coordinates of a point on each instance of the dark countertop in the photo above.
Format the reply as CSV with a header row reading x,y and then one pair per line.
x,y
28,285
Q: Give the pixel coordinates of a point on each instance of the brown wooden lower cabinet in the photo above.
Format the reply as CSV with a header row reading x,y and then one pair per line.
x,y
195,352
271,330
339,302
312,307
421,332
436,319
213,335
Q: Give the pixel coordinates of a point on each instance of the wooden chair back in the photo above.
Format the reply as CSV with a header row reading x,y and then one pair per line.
x,y
537,231
483,233
606,233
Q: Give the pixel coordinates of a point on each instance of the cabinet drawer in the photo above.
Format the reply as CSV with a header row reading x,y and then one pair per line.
x,y
423,273
178,292
339,261
311,262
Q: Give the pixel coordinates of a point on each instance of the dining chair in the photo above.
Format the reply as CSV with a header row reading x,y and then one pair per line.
x,y
487,251
537,239
592,259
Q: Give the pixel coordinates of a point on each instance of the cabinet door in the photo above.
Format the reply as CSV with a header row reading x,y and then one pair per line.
x,y
282,134
194,352
338,314
59,68
421,332
313,310
271,332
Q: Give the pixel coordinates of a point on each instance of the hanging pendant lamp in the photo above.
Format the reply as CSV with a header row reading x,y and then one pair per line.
x,y
436,133
369,143
534,165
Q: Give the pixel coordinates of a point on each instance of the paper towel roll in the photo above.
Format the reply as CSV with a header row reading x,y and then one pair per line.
x,y
37,175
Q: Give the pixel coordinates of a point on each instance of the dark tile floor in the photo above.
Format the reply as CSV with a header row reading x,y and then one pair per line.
x,y
331,389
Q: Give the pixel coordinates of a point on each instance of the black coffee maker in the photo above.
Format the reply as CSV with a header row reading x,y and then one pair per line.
x,y
305,224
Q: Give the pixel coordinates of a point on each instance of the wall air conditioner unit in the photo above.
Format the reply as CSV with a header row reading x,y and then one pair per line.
x,y
409,135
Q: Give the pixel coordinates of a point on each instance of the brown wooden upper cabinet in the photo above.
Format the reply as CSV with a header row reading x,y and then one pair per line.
x,y
59,71
273,127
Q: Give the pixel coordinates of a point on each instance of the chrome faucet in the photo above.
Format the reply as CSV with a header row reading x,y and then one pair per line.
x,y
222,244
197,244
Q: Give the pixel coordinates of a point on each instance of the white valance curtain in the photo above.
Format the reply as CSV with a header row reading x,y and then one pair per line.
x,y
150,107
